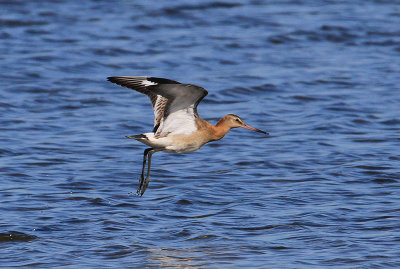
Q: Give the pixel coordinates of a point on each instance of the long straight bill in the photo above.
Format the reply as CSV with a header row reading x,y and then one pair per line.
x,y
248,127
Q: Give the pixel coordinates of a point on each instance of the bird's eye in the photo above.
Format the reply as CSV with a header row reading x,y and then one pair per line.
x,y
237,120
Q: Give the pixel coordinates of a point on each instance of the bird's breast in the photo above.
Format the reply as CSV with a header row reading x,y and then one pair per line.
x,y
178,143
184,143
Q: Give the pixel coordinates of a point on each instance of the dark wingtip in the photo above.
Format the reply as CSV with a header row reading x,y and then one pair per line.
x,y
112,79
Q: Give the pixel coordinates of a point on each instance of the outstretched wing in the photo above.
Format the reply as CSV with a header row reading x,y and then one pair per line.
x,y
174,104
143,85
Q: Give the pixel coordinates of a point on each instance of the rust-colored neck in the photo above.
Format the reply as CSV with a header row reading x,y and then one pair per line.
x,y
220,129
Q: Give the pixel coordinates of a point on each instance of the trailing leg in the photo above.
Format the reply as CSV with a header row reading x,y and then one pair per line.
x,y
141,180
147,180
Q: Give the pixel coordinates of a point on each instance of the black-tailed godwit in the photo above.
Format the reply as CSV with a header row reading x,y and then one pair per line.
x,y
177,125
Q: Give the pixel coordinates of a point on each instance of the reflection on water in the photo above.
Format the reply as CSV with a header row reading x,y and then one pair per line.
x,y
176,258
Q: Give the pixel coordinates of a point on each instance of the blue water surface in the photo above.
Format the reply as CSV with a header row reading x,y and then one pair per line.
x,y
322,191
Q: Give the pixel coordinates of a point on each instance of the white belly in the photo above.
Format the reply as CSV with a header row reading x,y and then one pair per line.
x,y
174,144
182,148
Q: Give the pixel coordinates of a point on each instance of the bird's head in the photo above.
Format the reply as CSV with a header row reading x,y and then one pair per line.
x,y
234,121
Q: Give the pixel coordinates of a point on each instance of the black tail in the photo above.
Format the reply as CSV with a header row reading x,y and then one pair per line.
x,y
137,137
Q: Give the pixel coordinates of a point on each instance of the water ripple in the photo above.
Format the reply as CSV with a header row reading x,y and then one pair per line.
x,y
322,190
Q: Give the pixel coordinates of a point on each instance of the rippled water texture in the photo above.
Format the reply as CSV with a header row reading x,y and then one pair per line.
x,y
322,77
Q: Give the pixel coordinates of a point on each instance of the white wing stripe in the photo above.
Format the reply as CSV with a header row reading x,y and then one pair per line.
x,y
147,83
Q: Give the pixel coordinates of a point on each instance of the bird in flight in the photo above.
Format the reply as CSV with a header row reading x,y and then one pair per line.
x,y
177,125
